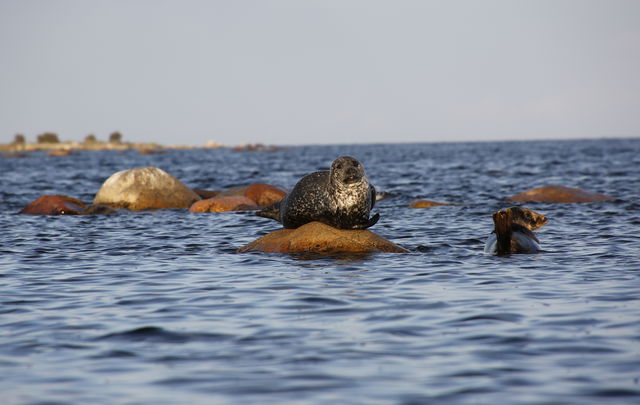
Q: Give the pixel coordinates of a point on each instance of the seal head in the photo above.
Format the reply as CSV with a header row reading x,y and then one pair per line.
x,y
341,197
527,218
513,231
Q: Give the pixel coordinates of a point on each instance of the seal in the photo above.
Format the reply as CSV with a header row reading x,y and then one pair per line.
x,y
513,231
341,197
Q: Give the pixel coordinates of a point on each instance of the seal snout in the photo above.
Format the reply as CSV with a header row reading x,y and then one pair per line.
x,y
351,175
542,220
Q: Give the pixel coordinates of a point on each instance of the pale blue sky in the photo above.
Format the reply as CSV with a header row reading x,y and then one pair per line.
x,y
296,71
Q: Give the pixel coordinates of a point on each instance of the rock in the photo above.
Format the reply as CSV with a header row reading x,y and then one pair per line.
x,y
256,147
206,193
264,194
145,151
61,152
559,194
144,188
235,191
54,205
316,237
98,209
426,204
223,204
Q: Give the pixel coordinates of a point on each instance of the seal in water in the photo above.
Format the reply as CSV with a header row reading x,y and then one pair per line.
x,y
513,231
341,197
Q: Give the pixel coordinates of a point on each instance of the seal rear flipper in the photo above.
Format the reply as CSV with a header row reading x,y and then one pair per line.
x,y
272,211
371,222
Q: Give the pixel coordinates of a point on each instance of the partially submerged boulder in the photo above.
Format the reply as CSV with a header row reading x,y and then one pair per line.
x,y
559,194
426,204
206,193
60,152
54,205
145,188
61,204
316,237
223,204
264,194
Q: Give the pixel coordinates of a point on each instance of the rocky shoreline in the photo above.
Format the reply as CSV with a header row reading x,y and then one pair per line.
x,y
143,147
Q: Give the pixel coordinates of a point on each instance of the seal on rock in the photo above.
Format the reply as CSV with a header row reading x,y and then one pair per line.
x,y
341,197
513,231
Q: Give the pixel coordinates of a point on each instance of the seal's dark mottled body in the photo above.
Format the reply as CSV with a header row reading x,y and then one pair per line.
x,y
341,197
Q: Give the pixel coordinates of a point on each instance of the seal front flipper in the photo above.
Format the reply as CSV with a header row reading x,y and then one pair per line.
x,y
374,196
272,211
502,222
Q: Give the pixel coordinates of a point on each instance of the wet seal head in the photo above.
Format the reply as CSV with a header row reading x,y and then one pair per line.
x,y
341,197
347,170
513,231
527,218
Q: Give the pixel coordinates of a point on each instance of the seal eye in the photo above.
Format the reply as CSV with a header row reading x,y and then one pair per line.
x,y
355,163
339,166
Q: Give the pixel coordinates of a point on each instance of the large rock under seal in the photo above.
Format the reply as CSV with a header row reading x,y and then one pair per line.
x,y
559,194
145,188
316,237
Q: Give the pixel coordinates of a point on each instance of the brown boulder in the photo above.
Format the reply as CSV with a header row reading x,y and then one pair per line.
x,y
60,152
206,193
234,191
426,204
264,194
144,188
223,204
54,205
316,237
559,194
146,151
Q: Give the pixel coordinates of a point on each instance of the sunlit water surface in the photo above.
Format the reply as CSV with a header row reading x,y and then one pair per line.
x,y
157,308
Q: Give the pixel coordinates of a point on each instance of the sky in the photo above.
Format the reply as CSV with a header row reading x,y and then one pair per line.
x,y
319,72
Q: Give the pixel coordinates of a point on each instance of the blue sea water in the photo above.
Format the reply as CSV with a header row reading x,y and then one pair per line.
x,y
157,307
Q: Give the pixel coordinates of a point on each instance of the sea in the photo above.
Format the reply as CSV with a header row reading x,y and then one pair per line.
x,y
157,307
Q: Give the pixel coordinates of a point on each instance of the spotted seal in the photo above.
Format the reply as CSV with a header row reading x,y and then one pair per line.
x,y
341,197
513,231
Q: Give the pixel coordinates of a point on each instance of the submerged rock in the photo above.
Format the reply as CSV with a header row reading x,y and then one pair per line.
x,y
559,194
145,151
60,152
224,204
54,205
145,188
61,204
316,237
426,204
